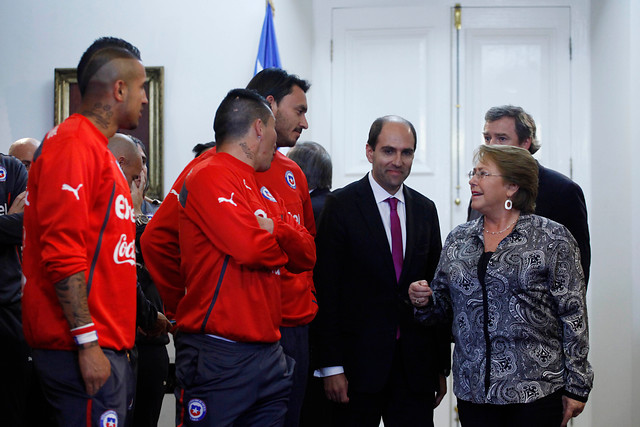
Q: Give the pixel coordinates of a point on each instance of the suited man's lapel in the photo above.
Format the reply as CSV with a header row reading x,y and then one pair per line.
x,y
370,214
411,218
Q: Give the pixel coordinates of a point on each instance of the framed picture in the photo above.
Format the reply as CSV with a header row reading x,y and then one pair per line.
x,y
149,130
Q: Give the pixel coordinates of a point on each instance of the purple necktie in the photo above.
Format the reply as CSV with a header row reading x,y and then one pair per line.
x,y
396,237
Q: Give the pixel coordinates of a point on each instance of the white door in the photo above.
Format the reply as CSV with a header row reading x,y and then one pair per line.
x,y
392,60
518,56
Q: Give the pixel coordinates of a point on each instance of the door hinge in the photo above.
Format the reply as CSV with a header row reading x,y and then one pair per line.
x,y
457,16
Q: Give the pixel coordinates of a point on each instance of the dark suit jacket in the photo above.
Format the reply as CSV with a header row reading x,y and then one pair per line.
x,y
561,200
318,197
360,302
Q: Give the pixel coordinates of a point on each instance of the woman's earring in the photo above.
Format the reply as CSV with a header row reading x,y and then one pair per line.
x,y
508,204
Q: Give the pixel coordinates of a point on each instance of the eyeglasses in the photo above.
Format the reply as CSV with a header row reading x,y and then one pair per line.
x,y
480,174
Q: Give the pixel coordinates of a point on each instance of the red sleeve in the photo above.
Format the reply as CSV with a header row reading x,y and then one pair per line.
x,y
161,253
63,214
296,242
309,219
231,227
160,244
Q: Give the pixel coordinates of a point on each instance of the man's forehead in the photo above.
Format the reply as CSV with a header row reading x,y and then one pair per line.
x,y
395,130
505,124
297,97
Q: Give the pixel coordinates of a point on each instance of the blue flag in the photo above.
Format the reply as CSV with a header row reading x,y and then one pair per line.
x,y
268,56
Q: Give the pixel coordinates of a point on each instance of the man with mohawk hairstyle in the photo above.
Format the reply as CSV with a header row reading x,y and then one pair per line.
x,y
79,258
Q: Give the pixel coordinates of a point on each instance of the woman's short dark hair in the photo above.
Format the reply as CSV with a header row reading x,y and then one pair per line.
x,y
517,166
315,163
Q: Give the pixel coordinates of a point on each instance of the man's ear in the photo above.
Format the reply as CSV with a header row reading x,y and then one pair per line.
x,y
258,127
369,152
122,161
526,144
120,90
272,103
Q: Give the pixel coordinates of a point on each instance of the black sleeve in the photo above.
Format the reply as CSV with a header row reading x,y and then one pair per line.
x,y
578,226
11,229
330,249
443,330
146,313
14,180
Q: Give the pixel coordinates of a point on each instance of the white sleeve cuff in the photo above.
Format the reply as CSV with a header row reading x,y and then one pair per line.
x,y
328,372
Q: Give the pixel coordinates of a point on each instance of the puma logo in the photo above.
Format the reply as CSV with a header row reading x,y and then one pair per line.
x,y
229,200
67,187
175,192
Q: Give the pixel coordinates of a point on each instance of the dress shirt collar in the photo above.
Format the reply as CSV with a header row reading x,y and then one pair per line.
x,y
380,194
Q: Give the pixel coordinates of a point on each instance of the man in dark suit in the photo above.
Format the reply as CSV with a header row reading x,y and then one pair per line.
x,y
559,198
375,360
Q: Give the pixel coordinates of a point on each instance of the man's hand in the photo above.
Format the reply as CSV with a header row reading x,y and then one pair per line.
x,y
161,327
137,192
571,408
18,204
441,391
336,387
94,367
419,293
265,223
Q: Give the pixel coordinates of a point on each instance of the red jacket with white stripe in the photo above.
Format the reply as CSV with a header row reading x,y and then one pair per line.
x,y
284,177
230,265
161,246
78,217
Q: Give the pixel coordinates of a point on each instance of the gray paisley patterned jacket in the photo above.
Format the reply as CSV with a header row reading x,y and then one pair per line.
x,y
524,335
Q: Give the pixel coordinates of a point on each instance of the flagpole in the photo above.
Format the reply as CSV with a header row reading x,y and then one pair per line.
x,y
273,8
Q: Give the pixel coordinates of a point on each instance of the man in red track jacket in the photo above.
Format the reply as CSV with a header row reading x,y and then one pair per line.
x,y
79,256
286,94
161,246
234,240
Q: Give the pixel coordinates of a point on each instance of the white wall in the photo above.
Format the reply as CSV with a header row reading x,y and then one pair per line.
x,y
614,288
634,184
206,47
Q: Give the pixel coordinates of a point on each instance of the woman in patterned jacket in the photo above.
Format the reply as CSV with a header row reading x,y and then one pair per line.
x,y
512,283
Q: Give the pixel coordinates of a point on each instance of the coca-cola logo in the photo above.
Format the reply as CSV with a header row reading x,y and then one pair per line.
x,y
124,209
125,252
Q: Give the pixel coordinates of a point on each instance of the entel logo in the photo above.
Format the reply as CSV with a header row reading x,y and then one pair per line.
x,y
52,132
123,209
125,252
296,217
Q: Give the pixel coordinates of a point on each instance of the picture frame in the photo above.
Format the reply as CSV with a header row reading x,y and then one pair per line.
x,y
67,100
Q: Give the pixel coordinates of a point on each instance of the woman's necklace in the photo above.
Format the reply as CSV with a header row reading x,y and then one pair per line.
x,y
501,231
